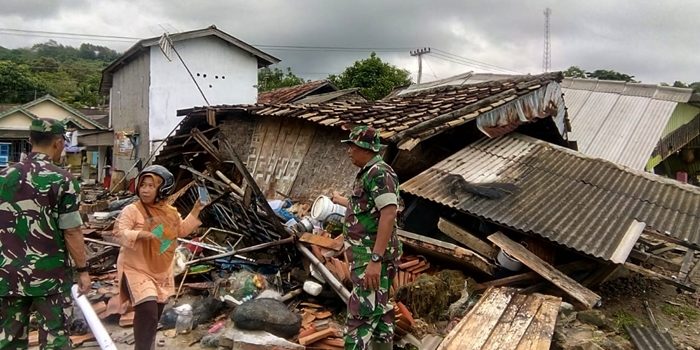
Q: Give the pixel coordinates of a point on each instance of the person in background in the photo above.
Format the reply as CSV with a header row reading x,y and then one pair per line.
x,y
370,228
39,228
148,230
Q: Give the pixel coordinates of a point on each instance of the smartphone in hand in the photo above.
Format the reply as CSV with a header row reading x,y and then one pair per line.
x,y
203,195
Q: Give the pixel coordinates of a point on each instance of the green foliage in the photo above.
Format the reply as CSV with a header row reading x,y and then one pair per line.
x,y
695,86
70,74
606,74
375,78
602,74
623,318
18,84
575,72
270,79
682,312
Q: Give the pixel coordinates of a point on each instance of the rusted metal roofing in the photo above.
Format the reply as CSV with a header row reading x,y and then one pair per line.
x,y
588,204
618,121
330,96
645,338
497,106
296,92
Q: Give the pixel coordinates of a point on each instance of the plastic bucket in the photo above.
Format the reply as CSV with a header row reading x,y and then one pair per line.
x,y
508,262
323,207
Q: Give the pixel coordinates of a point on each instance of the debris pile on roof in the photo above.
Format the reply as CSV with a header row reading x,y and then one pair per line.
x,y
515,234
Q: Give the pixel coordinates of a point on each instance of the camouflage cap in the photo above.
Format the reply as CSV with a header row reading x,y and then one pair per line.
x,y
49,126
365,137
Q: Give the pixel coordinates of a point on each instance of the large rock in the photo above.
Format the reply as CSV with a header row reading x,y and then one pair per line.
x,y
268,315
592,317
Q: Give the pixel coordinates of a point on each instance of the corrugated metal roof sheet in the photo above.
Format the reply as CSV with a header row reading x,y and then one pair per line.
x,y
650,339
581,202
617,121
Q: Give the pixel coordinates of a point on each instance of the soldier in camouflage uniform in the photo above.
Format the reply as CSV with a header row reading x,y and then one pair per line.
x,y
39,225
370,228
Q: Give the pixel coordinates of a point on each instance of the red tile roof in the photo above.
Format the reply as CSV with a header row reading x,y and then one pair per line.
x,y
416,116
293,93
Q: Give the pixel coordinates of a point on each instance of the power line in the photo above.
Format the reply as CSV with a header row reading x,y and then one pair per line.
x,y
473,65
431,69
473,61
441,54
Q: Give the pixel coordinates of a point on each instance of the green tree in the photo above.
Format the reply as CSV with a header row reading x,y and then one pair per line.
x,y
18,84
695,86
270,79
575,72
679,84
375,78
606,74
71,74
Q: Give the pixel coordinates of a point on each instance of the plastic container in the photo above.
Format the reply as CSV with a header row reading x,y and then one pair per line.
x,y
508,262
184,319
323,207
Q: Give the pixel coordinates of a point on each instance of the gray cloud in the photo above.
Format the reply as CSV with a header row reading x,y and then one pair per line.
x,y
651,40
32,9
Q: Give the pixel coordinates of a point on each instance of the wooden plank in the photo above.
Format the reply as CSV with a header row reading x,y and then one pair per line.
x,y
578,292
694,271
473,330
685,266
321,241
533,276
539,334
508,333
644,257
448,251
649,273
466,238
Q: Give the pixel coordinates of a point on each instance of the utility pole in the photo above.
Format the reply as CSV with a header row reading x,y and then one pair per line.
x,y
419,53
547,54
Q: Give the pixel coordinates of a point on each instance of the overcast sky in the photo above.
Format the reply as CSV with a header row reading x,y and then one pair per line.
x,y
653,40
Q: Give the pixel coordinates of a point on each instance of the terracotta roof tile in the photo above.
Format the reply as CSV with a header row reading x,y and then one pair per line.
x,y
292,93
426,112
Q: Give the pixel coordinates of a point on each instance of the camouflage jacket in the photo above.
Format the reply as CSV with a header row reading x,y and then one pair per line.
x,y
37,201
376,186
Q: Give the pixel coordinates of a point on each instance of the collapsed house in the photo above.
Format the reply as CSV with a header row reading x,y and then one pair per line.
x,y
570,218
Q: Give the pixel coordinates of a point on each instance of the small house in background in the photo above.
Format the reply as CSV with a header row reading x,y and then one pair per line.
x,y
642,126
85,159
148,84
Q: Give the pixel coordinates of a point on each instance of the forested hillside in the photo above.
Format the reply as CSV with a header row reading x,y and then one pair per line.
x,y
68,73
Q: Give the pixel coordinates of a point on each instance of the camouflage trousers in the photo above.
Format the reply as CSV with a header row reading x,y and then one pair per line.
x,y
370,315
50,310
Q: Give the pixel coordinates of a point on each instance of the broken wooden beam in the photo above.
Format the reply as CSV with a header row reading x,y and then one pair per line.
x,y
448,251
532,276
652,274
685,265
644,257
469,240
578,292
